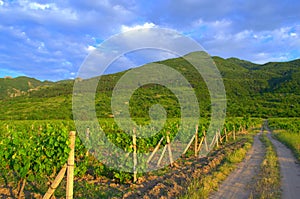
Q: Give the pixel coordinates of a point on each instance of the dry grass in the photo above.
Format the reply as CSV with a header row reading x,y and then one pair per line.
x,y
202,187
268,180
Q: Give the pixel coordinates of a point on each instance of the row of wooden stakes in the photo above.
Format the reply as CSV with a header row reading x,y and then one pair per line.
x,y
217,139
69,166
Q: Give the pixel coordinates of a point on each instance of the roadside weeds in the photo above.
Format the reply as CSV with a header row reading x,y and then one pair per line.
x,y
267,183
201,187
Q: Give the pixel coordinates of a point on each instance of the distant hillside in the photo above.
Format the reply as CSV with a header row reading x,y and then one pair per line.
x,y
268,90
14,87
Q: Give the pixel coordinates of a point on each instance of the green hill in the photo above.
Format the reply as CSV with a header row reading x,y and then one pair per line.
x,y
13,87
268,90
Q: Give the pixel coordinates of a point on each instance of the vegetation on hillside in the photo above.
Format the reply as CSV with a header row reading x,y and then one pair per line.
x,y
268,90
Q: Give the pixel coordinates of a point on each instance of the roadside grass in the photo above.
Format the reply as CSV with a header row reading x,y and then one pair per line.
x,y
290,139
201,187
268,180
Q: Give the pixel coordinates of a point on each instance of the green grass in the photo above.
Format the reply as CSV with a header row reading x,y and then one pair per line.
x,y
287,131
291,140
268,180
203,186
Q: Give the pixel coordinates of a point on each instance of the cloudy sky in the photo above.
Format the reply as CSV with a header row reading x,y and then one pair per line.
x,y
50,39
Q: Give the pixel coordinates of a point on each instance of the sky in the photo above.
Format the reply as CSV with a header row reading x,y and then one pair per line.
x,y
49,40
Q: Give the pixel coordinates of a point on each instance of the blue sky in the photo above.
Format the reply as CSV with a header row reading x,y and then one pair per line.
x,y
50,39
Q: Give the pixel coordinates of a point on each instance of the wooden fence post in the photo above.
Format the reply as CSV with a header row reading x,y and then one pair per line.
x,y
162,155
220,137
87,133
56,182
205,141
21,188
70,171
233,134
87,137
155,150
200,145
169,149
196,140
212,142
134,156
189,144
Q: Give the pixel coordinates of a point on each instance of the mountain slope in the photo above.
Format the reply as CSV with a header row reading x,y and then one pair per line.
x,y
13,87
268,90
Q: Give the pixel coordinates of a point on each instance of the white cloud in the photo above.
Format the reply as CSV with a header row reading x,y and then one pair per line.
x,y
246,34
53,13
217,24
136,27
41,47
257,46
90,49
38,6
43,34
221,23
264,57
293,34
207,30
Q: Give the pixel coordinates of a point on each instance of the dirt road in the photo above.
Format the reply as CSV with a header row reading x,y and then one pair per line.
x,y
237,183
289,170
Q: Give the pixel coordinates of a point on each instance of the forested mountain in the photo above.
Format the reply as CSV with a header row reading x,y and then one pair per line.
x,y
267,90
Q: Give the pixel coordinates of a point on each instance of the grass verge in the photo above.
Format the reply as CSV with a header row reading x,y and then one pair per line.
x,y
290,139
268,180
203,186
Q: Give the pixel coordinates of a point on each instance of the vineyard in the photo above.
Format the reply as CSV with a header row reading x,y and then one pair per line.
x,y
32,153
118,99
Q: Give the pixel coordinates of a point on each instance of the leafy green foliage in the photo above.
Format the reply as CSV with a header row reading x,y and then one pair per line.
x,y
40,148
268,90
36,149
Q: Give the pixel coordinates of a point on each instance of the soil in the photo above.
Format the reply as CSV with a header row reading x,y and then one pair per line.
x,y
167,185
238,183
177,178
174,183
